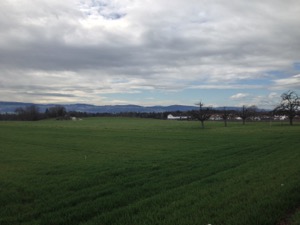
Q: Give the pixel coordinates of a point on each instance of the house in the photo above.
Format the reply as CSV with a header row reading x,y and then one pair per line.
x,y
171,117
280,117
215,117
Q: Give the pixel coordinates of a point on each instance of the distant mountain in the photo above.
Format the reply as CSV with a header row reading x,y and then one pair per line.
x,y
10,107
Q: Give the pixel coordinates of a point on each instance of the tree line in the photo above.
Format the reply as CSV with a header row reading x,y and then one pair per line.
x,y
58,112
288,106
32,113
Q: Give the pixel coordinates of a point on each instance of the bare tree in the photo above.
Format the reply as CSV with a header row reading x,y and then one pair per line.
x,y
30,112
225,116
247,112
57,111
204,113
289,105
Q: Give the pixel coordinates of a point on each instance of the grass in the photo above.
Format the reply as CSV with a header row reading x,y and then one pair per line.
x,y
295,219
118,171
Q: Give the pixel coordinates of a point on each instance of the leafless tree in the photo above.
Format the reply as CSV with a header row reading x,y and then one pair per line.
x,y
225,116
57,111
204,113
30,112
289,105
247,112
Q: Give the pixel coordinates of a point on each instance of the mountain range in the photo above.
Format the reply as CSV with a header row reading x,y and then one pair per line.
x,y
10,107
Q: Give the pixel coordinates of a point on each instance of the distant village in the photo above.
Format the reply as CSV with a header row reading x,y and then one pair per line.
x,y
218,117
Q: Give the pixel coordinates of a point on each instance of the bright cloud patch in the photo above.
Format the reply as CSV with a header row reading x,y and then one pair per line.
x,y
288,83
239,96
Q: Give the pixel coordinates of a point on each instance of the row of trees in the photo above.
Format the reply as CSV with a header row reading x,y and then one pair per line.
x,y
205,113
289,106
32,113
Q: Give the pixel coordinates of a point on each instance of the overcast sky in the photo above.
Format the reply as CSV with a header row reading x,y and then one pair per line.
x,y
149,52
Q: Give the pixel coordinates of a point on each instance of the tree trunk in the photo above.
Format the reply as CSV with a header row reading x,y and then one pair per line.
x,y
225,121
291,121
202,124
244,121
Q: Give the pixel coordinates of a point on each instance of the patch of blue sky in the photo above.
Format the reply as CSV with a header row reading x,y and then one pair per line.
x,y
276,73
99,3
193,96
261,82
296,66
210,97
114,16
105,9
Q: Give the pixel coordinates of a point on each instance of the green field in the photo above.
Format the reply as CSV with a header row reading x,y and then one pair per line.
x,y
117,171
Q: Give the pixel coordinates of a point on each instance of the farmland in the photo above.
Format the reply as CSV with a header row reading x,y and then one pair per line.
x,y
121,171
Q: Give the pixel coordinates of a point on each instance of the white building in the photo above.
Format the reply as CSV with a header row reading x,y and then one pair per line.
x,y
171,117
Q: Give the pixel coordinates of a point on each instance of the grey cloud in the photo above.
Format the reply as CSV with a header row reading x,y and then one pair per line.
x,y
158,43
48,94
292,82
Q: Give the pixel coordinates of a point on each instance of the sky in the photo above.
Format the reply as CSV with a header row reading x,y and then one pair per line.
x,y
149,52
